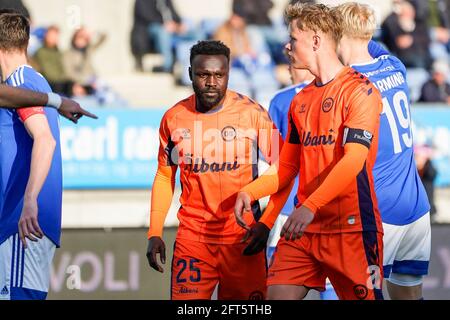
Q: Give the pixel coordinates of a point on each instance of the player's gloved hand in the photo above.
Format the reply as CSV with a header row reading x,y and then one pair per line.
x,y
73,111
156,245
258,235
296,224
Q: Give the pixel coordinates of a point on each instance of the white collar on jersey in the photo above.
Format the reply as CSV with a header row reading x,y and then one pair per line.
x,y
369,62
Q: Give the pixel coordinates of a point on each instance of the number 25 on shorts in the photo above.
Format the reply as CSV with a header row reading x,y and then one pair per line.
x,y
194,272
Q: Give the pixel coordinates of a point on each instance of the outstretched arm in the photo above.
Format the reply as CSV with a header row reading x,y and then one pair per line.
x,y
11,97
71,110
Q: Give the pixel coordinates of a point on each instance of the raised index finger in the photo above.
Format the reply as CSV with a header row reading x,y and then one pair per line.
x,y
87,114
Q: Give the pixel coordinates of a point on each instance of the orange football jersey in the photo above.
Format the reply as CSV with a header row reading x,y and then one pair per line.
x,y
321,120
217,154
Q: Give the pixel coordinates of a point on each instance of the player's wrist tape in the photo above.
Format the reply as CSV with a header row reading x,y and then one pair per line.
x,y
54,100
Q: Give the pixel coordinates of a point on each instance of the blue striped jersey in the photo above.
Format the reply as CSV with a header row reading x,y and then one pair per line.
x,y
15,158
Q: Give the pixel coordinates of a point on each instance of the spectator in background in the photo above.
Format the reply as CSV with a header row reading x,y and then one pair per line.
x,y
252,70
447,9
16,5
233,33
48,60
140,44
78,59
264,34
37,35
437,89
434,13
163,25
406,36
427,173
438,20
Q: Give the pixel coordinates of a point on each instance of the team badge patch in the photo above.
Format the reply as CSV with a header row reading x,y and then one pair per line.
x,y
327,104
360,291
228,133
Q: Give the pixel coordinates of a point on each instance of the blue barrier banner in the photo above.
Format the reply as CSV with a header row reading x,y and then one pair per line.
x,y
431,125
119,150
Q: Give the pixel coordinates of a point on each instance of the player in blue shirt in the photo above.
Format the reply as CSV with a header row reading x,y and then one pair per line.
x,y
401,196
278,110
30,175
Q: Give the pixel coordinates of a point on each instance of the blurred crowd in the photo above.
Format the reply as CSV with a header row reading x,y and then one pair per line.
x,y
416,31
70,72
256,42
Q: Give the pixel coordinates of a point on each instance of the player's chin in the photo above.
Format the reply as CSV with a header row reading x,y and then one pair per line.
x,y
210,101
296,64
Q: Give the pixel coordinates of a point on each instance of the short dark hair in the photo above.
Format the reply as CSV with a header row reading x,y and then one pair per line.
x,y
211,48
14,32
8,10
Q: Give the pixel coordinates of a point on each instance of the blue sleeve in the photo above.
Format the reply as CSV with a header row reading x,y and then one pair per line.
x,y
376,50
275,114
33,81
278,116
398,65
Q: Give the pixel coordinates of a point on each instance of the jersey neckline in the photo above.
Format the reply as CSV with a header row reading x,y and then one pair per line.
x,y
337,76
17,69
363,64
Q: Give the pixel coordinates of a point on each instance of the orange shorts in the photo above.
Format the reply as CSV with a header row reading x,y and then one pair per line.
x,y
352,261
198,267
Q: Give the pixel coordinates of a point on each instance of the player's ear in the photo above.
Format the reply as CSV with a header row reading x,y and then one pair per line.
x,y
190,73
316,42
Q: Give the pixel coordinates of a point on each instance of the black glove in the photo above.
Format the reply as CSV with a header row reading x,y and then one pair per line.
x,y
156,245
258,235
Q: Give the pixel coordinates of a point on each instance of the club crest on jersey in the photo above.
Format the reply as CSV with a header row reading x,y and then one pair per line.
x,y
327,104
360,291
228,133
303,108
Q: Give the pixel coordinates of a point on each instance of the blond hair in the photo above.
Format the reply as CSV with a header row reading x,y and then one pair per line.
x,y
316,17
359,20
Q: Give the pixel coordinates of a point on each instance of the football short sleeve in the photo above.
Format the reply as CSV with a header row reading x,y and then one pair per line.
x,y
362,115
